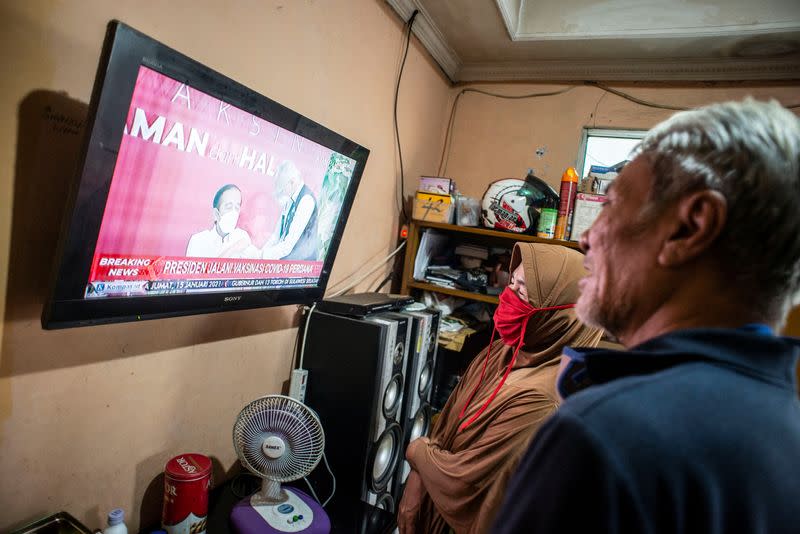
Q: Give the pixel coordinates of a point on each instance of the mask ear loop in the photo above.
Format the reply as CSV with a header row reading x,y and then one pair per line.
x,y
469,421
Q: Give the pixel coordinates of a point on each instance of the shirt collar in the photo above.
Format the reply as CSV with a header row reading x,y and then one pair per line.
x,y
753,349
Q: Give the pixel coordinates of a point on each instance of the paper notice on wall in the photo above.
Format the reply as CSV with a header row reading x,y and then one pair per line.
x,y
587,208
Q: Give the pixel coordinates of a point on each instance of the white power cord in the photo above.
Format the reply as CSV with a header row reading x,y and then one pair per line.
x,y
342,292
305,335
299,377
311,489
333,491
333,479
300,371
375,268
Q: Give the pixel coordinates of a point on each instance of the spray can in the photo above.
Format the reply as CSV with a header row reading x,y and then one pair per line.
x,y
569,188
187,478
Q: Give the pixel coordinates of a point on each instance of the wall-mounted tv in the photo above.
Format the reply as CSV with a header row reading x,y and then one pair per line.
x,y
195,194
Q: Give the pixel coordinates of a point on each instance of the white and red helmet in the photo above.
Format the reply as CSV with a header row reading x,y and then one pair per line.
x,y
513,205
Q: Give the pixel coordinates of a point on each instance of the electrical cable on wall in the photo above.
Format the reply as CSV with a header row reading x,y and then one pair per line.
x,y
656,105
350,286
401,185
384,282
410,24
593,116
346,279
448,134
369,272
635,100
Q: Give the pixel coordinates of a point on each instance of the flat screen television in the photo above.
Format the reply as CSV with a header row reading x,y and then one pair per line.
x,y
195,194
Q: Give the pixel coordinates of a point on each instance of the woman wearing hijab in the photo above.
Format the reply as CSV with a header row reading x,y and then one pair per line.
x,y
459,474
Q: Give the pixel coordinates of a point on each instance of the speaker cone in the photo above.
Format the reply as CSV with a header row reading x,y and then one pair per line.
x,y
391,396
384,457
424,380
421,423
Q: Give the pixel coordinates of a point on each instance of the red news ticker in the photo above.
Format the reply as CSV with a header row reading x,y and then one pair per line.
x,y
108,267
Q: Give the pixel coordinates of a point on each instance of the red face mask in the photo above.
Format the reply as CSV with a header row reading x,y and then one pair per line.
x,y
511,316
510,320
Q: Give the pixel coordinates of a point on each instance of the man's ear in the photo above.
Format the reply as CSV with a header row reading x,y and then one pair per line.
x,y
699,218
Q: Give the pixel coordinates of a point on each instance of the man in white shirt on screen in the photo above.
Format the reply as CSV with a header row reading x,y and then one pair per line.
x,y
295,236
223,239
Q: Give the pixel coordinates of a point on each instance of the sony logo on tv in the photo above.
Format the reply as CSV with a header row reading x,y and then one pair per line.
x,y
237,298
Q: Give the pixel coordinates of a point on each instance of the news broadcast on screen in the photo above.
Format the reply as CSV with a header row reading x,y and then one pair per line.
x,y
206,197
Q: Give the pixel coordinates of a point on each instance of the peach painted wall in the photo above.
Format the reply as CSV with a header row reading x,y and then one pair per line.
x,y
498,138
89,416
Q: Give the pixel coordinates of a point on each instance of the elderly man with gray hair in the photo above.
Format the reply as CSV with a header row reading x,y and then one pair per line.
x,y
693,265
295,236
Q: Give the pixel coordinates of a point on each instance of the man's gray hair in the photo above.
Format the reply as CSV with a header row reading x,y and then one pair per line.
x,y
287,170
750,152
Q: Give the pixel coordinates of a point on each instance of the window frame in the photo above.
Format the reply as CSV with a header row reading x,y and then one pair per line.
x,y
587,132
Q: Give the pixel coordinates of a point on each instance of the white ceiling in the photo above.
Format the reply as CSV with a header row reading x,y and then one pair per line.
x,y
609,40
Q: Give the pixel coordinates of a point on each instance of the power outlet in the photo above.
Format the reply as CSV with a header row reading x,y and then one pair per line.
x,y
297,384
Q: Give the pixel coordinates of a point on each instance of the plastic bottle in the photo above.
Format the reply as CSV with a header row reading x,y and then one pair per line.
x,y
569,187
547,219
116,522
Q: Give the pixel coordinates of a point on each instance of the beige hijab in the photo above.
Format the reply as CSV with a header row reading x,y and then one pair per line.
x,y
465,472
551,277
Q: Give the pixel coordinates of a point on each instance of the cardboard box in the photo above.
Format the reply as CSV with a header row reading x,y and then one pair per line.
x,y
432,207
435,184
587,208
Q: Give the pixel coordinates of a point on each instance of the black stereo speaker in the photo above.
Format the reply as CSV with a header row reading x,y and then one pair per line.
x,y
356,379
421,363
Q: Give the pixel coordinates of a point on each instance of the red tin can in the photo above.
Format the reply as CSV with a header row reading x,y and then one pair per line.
x,y
187,478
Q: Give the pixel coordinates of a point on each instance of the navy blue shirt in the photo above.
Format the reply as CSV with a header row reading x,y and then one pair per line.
x,y
696,431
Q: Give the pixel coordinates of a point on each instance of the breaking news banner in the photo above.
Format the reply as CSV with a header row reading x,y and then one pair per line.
x,y
119,288
203,190
137,275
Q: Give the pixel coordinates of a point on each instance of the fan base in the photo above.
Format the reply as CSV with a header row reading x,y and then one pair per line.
x,y
300,513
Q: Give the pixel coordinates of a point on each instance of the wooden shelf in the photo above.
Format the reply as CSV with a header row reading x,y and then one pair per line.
x,y
414,234
416,228
491,299
510,236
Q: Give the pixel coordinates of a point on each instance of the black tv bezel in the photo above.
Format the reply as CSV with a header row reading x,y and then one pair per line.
x,y
124,51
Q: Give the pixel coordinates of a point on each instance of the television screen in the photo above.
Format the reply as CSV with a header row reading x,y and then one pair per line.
x,y
196,194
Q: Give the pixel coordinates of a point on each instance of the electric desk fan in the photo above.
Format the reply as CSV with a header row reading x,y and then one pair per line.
x,y
279,439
